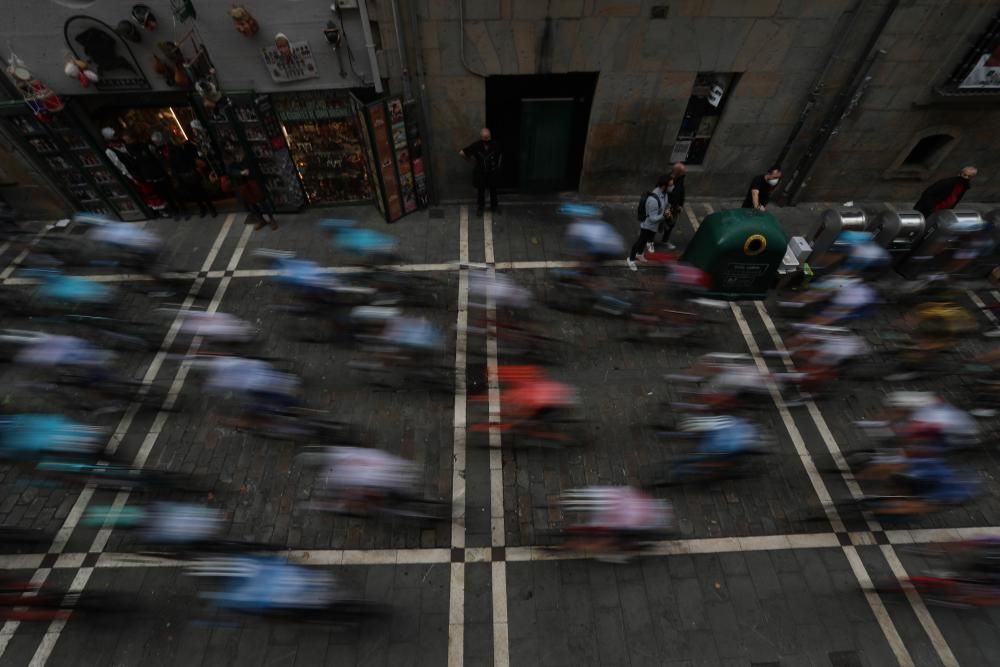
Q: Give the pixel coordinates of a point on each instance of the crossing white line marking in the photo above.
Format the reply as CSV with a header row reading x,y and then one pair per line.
x,y
819,487
13,266
692,218
76,511
919,608
48,644
501,638
456,598
368,557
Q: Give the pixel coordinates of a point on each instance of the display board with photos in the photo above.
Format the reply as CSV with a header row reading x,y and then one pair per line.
x,y
400,145
416,152
385,156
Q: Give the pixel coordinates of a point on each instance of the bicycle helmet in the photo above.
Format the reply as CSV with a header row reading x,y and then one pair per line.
x,y
910,400
580,211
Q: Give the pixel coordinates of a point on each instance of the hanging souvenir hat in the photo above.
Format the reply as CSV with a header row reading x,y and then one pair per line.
x,y
144,16
244,21
127,30
80,70
284,46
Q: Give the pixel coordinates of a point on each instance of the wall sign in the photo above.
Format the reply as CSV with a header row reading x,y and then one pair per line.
x,y
985,74
297,65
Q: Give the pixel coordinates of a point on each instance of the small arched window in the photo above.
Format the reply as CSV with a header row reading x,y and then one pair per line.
x,y
927,152
922,155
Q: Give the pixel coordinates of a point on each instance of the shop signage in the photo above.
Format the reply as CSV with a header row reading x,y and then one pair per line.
x,y
383,151
979,70
406,185
96,42
294,63
985,73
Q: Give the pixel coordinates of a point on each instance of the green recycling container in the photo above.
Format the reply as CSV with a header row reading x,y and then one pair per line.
x,y
741,250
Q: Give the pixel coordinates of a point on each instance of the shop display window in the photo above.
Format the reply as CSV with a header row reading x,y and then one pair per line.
x,y
325,143
74,165
263,138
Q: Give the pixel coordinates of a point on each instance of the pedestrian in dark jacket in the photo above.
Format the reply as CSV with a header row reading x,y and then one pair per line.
x,y
676,195
946,193
487,156
183,162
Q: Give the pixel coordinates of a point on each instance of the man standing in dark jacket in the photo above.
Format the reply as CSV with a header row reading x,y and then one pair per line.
x,y
488,157
946,193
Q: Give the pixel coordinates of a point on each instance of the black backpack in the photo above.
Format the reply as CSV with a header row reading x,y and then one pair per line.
x,y
640,213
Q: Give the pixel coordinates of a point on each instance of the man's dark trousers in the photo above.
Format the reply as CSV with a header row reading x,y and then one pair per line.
x,y
481,196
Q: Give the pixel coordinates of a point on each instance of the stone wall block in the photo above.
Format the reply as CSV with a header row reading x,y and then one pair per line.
x,y
751,8
824,9
442,9
502,37
566,36
758,84
677,45
530,10
617,8
428,35
589,32
734,34
479,50
481,10
526,45
766,46
570,9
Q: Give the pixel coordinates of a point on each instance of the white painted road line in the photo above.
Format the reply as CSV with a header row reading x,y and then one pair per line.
x,y
919,608
501,635
692,218
48,644
676,547
456,597
76,511
819,487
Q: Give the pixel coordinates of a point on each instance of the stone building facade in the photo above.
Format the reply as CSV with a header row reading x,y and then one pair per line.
x,y
857,99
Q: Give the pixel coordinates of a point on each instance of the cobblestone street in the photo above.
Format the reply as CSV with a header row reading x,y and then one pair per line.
x,y
757,574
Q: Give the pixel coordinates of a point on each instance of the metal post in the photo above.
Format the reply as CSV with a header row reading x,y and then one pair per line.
x,y
366,29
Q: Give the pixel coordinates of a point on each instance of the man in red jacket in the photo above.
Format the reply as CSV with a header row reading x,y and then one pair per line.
x,y
946,193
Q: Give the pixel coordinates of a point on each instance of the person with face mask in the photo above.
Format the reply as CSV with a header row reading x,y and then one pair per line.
x,y
675,193
488,158
761,188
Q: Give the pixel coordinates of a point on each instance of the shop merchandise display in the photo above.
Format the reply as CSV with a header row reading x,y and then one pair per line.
x,y
265,141
326,147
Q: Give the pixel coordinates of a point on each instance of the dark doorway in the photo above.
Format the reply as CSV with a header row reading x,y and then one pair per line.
x,y
541,124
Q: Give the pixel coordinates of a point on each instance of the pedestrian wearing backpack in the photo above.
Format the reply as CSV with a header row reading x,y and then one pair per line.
x,y
488,158
651,212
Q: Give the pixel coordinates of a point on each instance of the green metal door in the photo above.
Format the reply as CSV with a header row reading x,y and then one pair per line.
x,y
546,133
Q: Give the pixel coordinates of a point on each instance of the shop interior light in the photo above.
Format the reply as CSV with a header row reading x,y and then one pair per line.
x,y
179,126
288,140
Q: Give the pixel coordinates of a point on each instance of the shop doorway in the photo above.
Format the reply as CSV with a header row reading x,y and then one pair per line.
x,y
541,124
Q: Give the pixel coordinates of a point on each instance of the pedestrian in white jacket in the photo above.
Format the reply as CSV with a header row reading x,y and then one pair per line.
x,y
656,208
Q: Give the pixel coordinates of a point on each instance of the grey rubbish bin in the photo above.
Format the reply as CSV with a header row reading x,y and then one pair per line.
x,y
943,229
898,231
831,223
